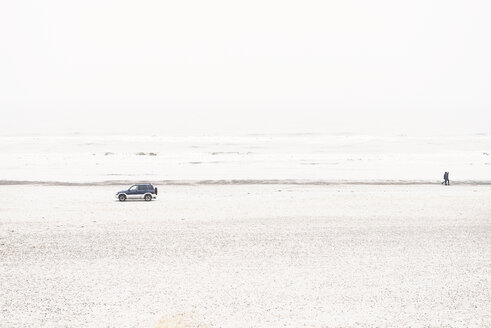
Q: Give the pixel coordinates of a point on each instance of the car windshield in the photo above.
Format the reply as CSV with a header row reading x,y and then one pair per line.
x,y
132,188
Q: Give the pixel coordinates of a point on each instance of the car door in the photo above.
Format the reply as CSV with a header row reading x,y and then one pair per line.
x,y
142,190
132,192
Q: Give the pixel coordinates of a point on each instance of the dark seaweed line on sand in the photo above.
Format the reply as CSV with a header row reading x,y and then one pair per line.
x,y
243,182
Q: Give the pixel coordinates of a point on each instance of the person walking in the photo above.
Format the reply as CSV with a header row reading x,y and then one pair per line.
x,y
446,179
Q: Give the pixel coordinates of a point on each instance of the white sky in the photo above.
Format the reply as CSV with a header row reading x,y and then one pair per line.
x,y
219,67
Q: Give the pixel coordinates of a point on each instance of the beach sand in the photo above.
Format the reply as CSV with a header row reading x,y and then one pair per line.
x,y
246,256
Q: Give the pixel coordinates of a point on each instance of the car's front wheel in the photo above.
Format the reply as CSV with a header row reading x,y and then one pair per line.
x,y
148,197
122,197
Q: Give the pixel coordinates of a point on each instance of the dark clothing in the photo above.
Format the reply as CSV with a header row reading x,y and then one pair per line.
x,y
446,179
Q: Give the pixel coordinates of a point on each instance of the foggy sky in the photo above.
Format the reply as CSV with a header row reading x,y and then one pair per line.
x,y
220,67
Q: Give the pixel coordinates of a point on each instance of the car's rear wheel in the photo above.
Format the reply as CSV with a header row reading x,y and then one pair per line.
x,y
148,197
122,197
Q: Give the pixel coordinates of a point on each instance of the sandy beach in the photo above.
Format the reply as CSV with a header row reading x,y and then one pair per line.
x,y
315,164
246,256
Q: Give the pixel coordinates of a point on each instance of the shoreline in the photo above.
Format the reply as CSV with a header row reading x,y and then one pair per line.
x,y
300,182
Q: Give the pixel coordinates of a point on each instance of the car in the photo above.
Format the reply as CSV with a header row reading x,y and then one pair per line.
x,y
138,191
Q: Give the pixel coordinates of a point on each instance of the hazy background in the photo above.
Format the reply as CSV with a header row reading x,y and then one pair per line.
x,y
223,67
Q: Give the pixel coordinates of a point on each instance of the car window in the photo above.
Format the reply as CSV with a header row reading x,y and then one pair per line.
x,y
133,188
142,187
